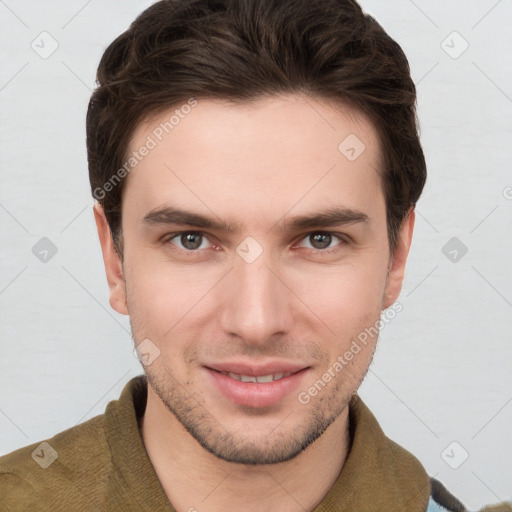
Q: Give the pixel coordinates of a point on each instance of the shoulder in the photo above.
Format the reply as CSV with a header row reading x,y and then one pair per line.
x,y
441,500
32,477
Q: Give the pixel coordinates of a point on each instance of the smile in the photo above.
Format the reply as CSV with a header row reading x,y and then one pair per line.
x,y
255,386
259,379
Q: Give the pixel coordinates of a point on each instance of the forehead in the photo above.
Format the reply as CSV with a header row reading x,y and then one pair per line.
x,y
290,149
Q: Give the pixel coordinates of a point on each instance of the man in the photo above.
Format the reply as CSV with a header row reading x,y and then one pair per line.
x,y
256,165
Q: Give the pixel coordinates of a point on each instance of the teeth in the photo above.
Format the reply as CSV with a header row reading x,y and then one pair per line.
x,y
260,379
265,378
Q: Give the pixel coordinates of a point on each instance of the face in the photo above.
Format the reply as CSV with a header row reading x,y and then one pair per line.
x,y
255,255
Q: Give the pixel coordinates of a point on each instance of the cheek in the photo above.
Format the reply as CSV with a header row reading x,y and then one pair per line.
x,y
163,296
347,299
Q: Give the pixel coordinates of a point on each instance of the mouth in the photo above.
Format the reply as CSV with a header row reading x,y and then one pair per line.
x,y
259,379
255,386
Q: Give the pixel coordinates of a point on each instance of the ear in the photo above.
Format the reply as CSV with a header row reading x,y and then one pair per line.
x,y
112,261
396,268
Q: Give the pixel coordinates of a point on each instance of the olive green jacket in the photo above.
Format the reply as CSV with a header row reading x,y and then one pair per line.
x,y
102,465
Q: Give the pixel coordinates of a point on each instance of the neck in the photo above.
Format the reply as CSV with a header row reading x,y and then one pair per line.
x,y
196,480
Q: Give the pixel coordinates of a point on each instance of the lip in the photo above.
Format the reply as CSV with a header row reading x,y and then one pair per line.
x,y
256,370
252,394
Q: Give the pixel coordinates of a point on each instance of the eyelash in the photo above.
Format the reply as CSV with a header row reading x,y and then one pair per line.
x,y
341,236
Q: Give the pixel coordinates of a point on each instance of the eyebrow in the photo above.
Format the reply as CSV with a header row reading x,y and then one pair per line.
x,y
330,217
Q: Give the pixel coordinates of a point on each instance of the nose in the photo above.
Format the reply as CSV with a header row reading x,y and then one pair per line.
x,y
256,303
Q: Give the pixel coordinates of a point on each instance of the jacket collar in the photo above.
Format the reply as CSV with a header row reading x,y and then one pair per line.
x,y
378,474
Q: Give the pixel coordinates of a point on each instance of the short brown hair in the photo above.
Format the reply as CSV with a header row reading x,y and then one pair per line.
x,y
241,50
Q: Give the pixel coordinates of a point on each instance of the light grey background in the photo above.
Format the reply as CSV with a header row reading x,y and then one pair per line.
x,y
442,372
